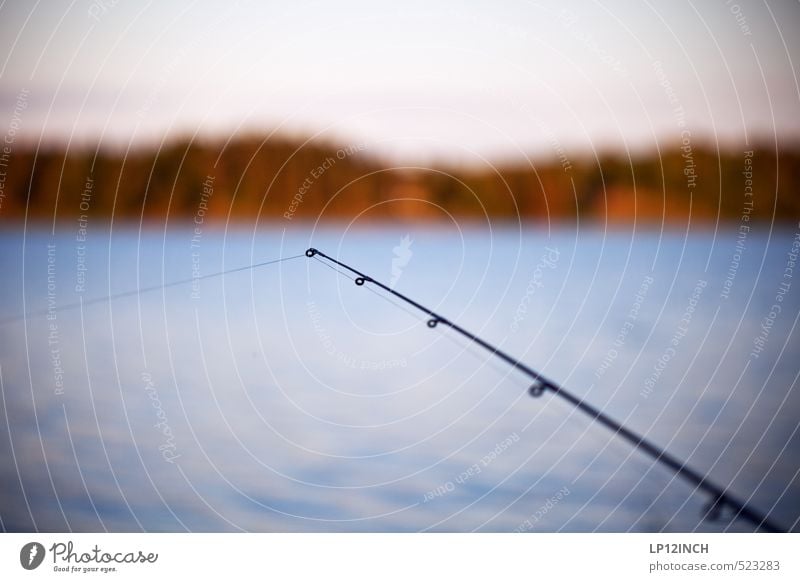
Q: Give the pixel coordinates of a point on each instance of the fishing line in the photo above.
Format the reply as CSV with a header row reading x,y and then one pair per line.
x,y
108,298
463,345
382,296
334,269
720,498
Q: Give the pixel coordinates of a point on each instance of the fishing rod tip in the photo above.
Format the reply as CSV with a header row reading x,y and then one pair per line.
x,y
311,252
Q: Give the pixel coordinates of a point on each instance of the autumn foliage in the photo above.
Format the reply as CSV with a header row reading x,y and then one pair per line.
x,y
255,179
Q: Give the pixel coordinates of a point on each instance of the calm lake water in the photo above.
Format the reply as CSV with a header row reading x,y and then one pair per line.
x,y
286,398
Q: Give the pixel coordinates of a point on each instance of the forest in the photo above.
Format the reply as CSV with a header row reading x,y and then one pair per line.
x,y
253,178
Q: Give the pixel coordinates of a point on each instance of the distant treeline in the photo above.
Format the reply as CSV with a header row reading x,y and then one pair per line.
x,y
254,179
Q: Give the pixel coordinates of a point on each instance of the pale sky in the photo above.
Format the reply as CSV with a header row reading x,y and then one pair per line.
x,y
414,81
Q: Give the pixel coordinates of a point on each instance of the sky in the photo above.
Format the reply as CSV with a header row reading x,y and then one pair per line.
x,y
415,82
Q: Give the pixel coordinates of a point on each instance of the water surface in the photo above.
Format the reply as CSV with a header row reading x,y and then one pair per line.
x,y
286,398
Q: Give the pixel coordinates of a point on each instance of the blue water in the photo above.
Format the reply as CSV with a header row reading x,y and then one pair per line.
x,y
286,398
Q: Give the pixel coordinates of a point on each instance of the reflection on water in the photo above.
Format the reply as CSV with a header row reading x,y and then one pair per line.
x,y
287,398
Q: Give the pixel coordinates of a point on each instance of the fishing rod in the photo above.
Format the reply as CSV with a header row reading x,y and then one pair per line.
x,y
720,498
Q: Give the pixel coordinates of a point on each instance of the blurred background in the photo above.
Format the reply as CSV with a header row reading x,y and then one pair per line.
x,y
610,192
